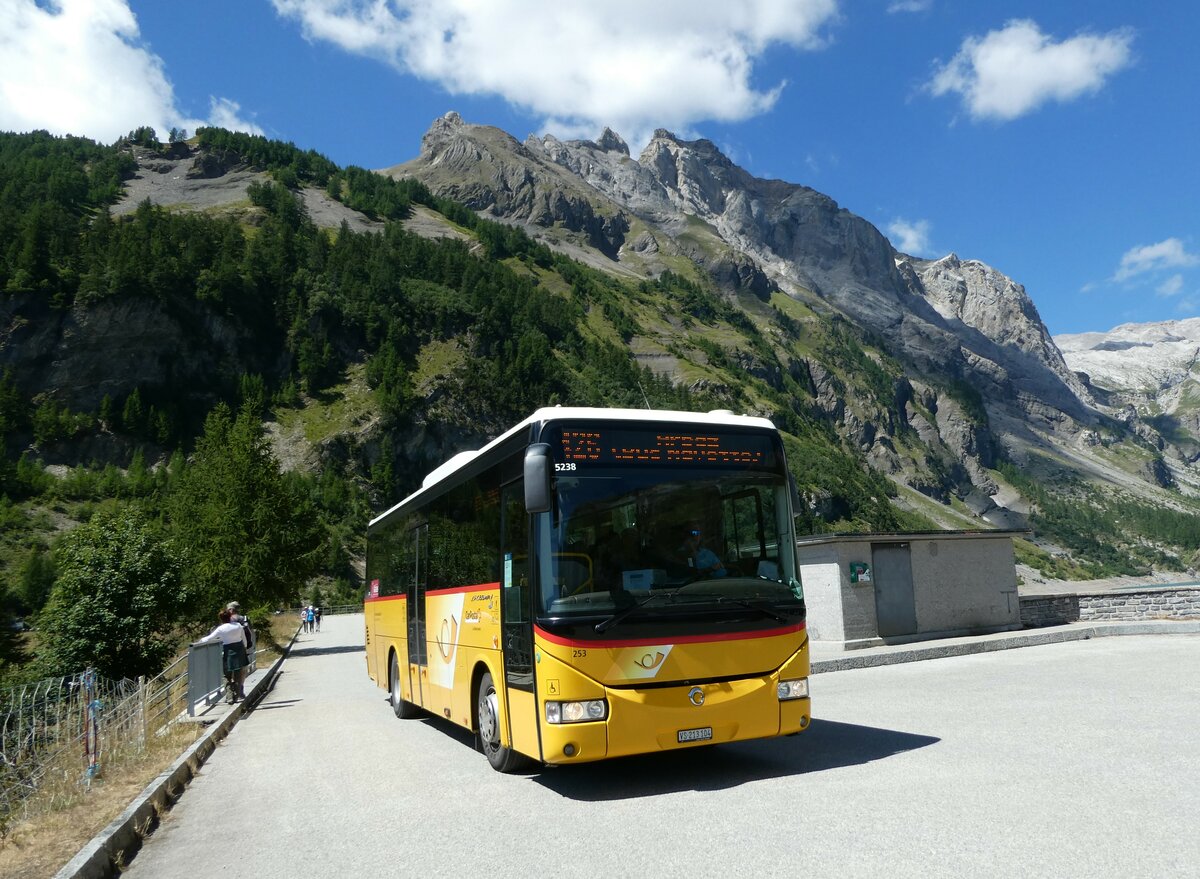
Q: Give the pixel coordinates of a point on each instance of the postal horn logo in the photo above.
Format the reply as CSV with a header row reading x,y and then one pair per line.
x,y
650,661
448,638
696,696
641,663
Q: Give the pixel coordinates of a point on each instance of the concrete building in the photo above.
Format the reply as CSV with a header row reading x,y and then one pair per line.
x,y
864,590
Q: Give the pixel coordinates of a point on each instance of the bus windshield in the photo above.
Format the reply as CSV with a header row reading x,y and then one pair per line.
x,y
669,522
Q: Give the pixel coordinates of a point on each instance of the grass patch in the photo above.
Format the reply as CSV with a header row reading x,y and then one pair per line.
x,y
335,410
436,361
64,814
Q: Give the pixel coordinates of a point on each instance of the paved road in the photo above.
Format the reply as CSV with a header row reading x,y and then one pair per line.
x,y
1077,759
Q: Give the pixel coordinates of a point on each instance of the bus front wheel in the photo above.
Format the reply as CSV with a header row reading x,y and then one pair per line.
x,y
403,708
501,758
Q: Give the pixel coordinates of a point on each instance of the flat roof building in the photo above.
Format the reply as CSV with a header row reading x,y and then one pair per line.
x,y
864,590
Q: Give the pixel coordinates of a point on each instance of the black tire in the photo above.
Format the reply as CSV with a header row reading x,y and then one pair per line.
x,y
502,759
400,706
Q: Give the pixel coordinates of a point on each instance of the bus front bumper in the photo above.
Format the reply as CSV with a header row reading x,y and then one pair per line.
x,y
644,721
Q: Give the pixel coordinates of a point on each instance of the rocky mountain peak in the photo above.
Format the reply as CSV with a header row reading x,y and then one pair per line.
x,y
1151,367
611,142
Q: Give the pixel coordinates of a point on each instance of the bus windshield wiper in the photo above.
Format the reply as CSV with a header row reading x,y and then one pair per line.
x,y
605,625
765,611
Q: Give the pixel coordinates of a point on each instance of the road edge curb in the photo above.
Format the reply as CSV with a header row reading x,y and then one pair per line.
x,y
1028,638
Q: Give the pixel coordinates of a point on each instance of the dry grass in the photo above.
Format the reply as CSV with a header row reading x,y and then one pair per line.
x,y
65,816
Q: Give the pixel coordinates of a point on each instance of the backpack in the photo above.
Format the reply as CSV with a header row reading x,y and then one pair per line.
x,y
249,632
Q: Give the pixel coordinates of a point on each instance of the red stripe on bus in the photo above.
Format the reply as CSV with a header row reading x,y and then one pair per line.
x,y
479,587
677,639
369,600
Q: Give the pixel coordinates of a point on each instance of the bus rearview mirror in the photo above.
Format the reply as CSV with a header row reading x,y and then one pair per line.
x,y
537,478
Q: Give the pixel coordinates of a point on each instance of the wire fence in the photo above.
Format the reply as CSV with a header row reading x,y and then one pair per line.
x,y
57,734
330,610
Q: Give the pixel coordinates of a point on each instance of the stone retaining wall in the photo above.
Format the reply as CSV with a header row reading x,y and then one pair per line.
x,y
1133,604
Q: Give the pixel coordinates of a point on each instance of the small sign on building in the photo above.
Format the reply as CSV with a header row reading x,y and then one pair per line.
x,y
860,572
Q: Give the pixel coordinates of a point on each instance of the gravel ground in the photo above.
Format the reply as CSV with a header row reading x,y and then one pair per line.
x,y
165,182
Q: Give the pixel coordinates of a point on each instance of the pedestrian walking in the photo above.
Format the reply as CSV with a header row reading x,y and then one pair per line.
x,y
317,617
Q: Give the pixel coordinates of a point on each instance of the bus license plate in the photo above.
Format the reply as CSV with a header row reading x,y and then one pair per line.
x,y
695,735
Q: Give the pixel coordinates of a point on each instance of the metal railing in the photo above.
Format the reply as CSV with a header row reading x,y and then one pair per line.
x,y
206,672
330,610
205,675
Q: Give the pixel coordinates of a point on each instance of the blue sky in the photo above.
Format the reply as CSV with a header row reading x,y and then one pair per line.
x,y
1056,142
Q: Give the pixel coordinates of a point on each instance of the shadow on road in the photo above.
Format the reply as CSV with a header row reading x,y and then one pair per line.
x,y
826,745
324,651
285,703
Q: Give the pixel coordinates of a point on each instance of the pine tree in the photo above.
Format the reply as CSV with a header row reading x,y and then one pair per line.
x,y
248,533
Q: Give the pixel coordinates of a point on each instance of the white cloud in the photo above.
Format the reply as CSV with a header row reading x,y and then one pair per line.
x,y
1187,305
628,64
1168,254
910,6
78,67
1171,286
224,113
910,237
1015,70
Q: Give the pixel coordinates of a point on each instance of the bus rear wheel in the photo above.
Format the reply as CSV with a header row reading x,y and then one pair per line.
x,y
400,706
502,759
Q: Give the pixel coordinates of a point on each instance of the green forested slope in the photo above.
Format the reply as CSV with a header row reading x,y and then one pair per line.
x,y
140,355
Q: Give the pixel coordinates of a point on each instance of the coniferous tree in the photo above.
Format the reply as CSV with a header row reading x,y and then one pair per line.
x,y
246,531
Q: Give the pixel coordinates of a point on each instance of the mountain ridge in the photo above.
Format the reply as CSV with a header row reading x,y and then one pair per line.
x,y
685,200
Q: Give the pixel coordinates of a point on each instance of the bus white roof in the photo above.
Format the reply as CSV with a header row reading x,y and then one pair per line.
x,y
717,417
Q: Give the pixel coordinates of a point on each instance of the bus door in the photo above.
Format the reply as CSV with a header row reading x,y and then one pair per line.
x,y
417,655
516,620
744,540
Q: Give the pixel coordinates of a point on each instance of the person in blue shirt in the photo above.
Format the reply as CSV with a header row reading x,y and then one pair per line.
x,y
700,558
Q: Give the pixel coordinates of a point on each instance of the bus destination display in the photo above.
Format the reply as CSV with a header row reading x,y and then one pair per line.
x,y
601,446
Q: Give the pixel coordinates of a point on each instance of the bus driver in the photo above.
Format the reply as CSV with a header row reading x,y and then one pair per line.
x,y
700,558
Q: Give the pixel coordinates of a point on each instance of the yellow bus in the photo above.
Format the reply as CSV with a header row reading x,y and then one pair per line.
x,y
596,583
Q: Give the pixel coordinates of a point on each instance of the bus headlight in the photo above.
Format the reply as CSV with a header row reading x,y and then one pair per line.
x,y
793,689
576,712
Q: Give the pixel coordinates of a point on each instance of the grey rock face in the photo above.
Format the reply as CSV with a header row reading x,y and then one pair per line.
x,y
1140,368
490,171
111,346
